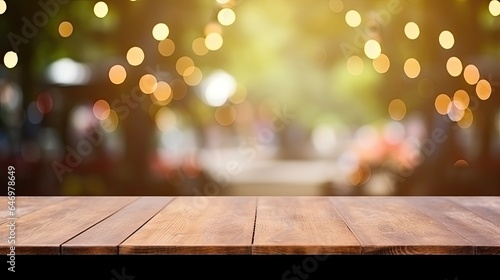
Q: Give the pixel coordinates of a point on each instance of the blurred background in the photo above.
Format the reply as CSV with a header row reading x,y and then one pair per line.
x,y
234,97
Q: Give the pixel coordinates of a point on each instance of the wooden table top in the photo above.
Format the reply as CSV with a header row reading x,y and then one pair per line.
x,y
253,225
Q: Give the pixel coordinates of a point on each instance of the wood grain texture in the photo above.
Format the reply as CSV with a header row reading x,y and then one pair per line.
x,y
197,225
483,233
389,225
486,206
104,237
27,204
43,231
301,225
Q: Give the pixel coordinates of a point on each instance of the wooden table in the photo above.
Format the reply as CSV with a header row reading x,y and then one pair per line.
x,y
254,225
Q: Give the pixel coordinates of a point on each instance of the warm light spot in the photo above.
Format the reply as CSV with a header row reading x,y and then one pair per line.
x,y
412,31
179,89
100,9
226,16
160,31
355,65
101,109
381,64
454,66
218,87
222,2
412,68
494,7
110,124
336,5
117,74
148,83
372,49
213,41
454,112
461,99
471,74
10,59
446,39
44,103
353,18
360,175
225,115
65,29
483,89
461,164
239,95
3,7
135,56
467,119
397,109
213,27
166,47
194,77
183,64
199,47
442,103
163,91
165,119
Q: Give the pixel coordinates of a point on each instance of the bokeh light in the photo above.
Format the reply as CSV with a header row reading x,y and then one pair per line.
x,y
199,47
446,39
213,41
135,56
165,119
336,5
471,74
461,163
100,9
44,103
412,31
442,103
166,47
117,74
163,92
148,83
239,95
3,7
412,68
355,65
192,76
494,7
454,66
353,18
183,64
372,49
467,119
483,89
65,29
461,99
218,87
225,115
110,124
226,16
101,109
10,59
160,31
454,112
397,109
381,64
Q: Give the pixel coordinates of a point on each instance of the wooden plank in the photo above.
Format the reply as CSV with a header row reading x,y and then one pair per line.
x,y
480,231
223,226
388,225
301,225
486,206
43,231
105,237
27,204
